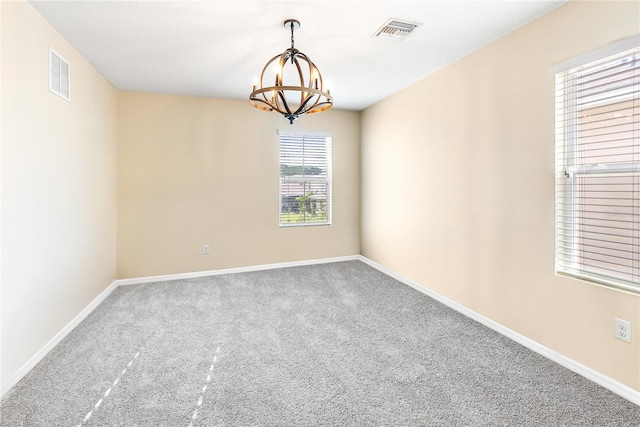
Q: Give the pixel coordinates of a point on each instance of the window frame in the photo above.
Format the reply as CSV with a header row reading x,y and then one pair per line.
x,y
571,174
328,181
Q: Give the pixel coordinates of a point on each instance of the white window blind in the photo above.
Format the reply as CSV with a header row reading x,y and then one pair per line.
x,y
598,170
305,179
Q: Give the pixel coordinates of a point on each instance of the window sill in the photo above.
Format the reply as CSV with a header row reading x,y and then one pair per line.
x,y
620,286
312,224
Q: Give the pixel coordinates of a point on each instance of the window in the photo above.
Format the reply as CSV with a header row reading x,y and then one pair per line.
x,y
598,167
305,179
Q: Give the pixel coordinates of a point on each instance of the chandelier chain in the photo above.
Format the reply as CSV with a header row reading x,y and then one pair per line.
x,y
291,34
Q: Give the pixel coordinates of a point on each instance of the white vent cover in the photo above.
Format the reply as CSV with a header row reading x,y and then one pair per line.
x,y
59,75
395,29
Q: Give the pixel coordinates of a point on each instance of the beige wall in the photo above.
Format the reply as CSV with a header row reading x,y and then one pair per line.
x,y
458,189
58,177
194,171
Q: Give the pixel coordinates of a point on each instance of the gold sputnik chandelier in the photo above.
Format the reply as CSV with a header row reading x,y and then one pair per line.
x,y
300,93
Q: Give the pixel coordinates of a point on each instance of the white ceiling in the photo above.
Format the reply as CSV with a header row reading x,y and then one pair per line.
x,y
217,48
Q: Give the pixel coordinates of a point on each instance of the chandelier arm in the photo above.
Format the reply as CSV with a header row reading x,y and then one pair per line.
x,y
317,73
279,95
284,101
328,101
301,109
318,104
280,71
316,97
266,67
313,72
255,101
302,94
325,107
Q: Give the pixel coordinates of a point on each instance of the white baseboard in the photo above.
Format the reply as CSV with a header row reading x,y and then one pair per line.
x,y
31,363
606,382
167,277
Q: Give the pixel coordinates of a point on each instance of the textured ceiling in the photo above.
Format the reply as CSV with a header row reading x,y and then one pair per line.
x,y
217,48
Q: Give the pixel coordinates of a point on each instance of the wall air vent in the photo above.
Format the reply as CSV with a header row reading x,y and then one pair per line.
x,y
59,75
395,29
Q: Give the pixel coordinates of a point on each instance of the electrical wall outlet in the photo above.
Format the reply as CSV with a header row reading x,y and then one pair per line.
x,y
205,249
622,329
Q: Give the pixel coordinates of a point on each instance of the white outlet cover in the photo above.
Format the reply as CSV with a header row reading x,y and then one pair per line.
x,y
622,329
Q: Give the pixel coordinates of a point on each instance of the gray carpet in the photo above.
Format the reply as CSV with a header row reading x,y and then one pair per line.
x,y
333,344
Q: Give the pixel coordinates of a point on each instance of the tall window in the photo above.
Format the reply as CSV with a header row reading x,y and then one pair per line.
x,y
598,167
305,179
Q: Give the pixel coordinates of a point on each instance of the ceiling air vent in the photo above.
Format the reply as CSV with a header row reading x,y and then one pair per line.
x,y
395,29
58,75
